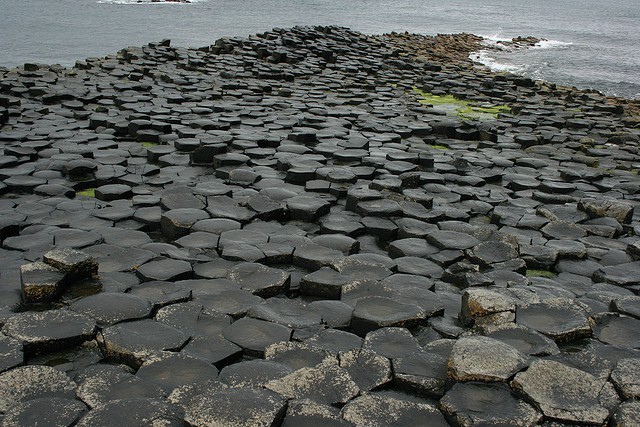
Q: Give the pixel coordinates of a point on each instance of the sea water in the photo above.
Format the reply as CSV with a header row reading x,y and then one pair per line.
x,y
589,43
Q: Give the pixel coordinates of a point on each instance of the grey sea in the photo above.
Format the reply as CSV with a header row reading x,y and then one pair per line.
x,y
592,44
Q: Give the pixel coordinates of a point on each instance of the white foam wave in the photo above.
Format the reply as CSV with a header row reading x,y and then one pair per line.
x,y
551,44
483,57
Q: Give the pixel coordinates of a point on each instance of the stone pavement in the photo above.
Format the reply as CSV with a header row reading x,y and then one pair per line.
x,y
274,230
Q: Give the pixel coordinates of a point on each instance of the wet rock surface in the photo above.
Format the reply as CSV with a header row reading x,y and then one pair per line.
x,y
288,229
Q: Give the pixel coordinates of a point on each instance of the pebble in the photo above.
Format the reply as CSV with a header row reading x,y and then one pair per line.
x,y
272,230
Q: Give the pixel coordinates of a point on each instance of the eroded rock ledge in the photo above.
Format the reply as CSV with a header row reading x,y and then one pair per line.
x,y
312,226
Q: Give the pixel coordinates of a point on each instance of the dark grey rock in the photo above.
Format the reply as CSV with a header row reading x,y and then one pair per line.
x,y
469,404
378,410
99,384
164,269
160,293
336,340
445,239
134,342
110,308
627,274
375,312
297,355
178,222
172,370
10,353
313,256
255,335
253,373
421,373
46,411
111,192
141,411
259,279
366,368
524,339
307,208
558,318
290,313
391,342
618,330
50,330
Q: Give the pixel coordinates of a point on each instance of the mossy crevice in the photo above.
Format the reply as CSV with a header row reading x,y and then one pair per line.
x,y
89,192
461,108
541,273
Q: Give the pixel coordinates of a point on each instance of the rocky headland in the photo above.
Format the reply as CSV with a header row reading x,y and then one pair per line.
x,y
312,226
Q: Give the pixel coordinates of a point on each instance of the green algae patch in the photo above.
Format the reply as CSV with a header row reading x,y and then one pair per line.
x,y
89,192
148,144
541,273
451,105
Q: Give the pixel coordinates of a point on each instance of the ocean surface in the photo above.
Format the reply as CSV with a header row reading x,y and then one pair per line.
x,y
590,43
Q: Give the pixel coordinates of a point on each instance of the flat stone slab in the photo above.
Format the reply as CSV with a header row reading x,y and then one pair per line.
x,y
32,382
379,410
241,407
627,274
11,354
375,312
484,359
134,342
172,370
558,318
164,269
566,394
49,331
287,312
45,411
527,340
366,368
141,411
253,373
259,279
446,239
254,336
101,384
469,404
422,373
297,355
618,330
325,383
111,308
626,378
